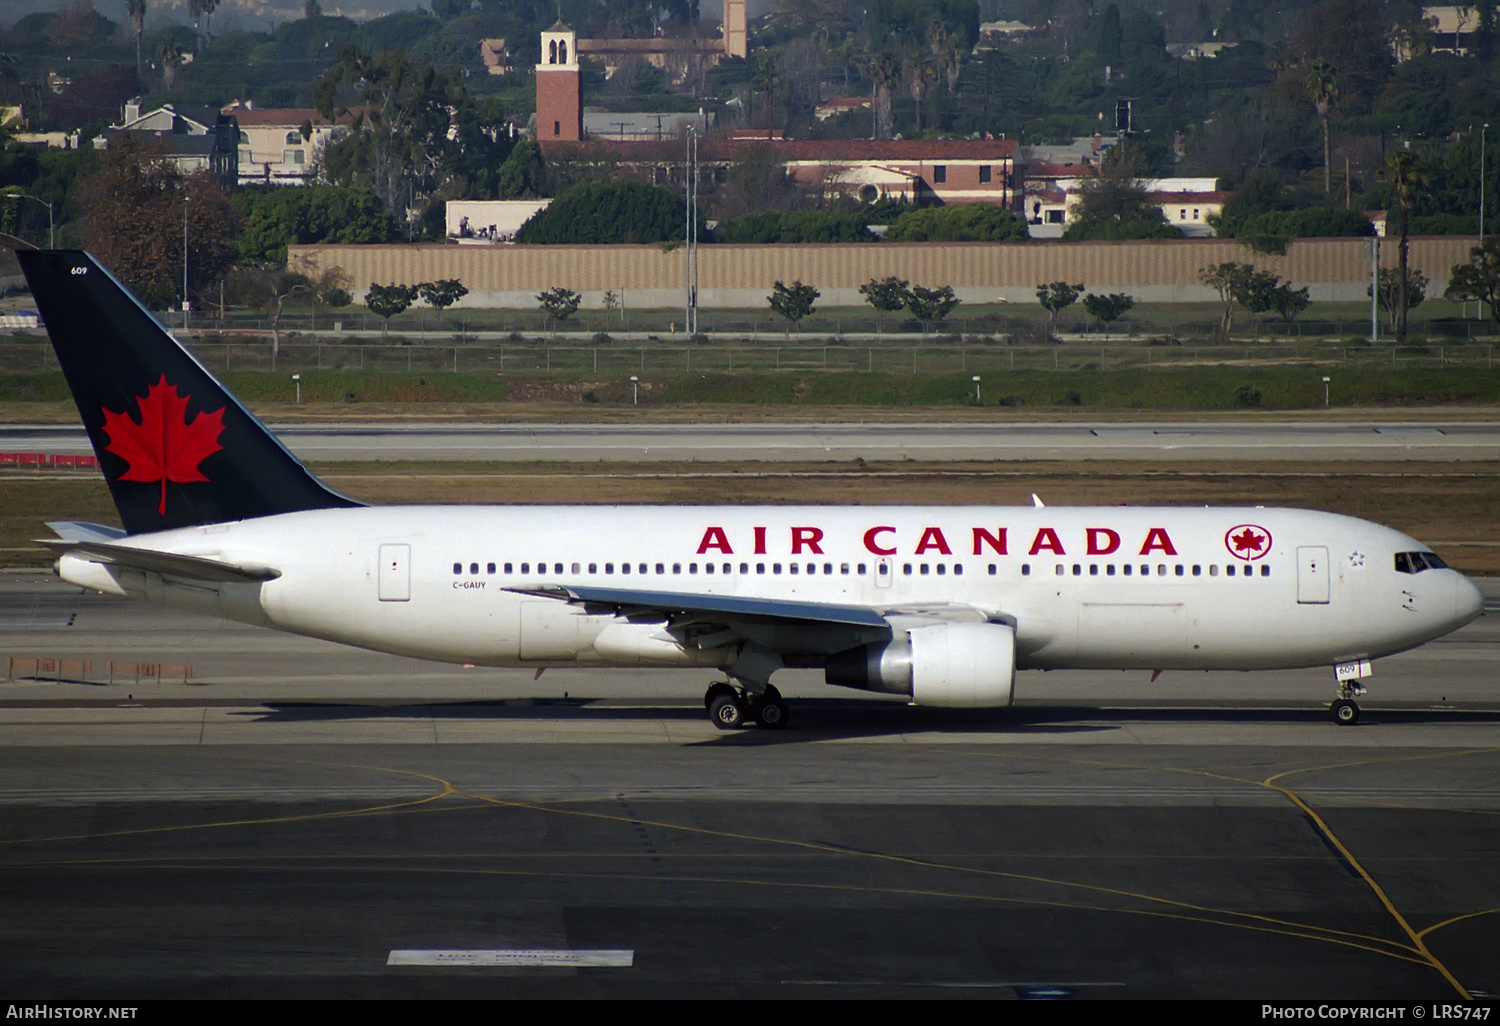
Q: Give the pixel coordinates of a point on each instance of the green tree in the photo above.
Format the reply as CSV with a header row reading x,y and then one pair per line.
x,y
1390,292
523,175
886,295
134,213
278,217
1108,308
270,288
442,293
559,303
1056,297
962,222
1257,292
386,301
1095,228
921,73
408,109
928,305
170,56
1289,302
603,213
885,72
1116,193
1323,88
136,9
793,302
1479,279
1229,280
804,226
1405,173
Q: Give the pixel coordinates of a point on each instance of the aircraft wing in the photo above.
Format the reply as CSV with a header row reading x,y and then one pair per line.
x,y
130,557
675,606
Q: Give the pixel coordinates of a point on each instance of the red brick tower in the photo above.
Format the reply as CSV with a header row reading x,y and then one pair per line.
x,y
559,98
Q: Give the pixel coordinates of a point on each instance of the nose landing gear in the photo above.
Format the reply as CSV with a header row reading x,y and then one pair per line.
x,y
1345,711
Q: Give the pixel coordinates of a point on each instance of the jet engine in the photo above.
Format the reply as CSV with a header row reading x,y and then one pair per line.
x,y
961,665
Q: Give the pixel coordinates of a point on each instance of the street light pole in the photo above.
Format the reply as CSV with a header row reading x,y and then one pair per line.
x,y
51,227
1483,130
184,265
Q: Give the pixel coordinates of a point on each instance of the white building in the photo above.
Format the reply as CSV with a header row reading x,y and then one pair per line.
x,y
483,222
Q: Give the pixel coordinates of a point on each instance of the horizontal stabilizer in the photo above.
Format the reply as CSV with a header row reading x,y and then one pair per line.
x,y
80,531
719,607
177,565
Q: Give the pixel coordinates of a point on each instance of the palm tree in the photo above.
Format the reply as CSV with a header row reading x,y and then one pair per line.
x,y
137,11
202,11
765,77
922,75
170,55
885,70
1404,170
1323,87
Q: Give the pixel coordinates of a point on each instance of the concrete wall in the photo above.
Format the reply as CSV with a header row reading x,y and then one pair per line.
x,y
742,276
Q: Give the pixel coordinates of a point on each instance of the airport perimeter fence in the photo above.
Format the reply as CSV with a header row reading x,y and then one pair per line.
x,y
1191,323
622,359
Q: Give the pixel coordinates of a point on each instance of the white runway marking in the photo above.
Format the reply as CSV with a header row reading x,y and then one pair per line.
x,y
561,957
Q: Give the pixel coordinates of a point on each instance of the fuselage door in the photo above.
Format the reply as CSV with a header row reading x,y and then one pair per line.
x,y
1312,574
883,572
395,573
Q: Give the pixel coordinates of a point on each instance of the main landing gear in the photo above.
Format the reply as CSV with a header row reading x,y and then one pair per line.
x,y
730,708
1345,710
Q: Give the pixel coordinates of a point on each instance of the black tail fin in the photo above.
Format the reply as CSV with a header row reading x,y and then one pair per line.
x,y
175,446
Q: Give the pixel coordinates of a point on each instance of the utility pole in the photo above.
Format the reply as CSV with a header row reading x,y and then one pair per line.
x,y
690,219
185,304
1483,130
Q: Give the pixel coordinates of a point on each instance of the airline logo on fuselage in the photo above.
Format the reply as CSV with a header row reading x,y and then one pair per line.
x,y
887,540
1248,542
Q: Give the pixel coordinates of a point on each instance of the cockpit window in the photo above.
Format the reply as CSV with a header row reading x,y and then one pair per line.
x,y
1416,562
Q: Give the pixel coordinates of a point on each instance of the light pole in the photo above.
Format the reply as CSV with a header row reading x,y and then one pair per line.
x,y
635,390
185,303
976,388
1483,129
51,230
1325,390
297,379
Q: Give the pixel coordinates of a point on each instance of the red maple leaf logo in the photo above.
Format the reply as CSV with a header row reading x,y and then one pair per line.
x,y
1250,543
164,446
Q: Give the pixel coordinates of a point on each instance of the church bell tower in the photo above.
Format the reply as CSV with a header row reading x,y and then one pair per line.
x,y
559,97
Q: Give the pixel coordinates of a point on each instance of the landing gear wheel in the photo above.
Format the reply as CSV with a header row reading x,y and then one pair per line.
x,y
715,691
771,711
1345,712
726,711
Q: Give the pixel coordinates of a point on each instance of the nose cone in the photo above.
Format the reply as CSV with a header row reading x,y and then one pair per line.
x,y
1468,600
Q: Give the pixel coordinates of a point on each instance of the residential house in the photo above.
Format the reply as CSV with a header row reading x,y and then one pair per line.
x,y
280,145
195,138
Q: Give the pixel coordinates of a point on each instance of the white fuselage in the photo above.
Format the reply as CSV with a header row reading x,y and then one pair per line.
x,y
1096,587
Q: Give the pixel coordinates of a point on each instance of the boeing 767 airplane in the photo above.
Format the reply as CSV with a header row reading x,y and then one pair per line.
x,y
937,604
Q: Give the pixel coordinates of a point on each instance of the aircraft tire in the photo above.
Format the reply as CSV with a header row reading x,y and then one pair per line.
x,y
726,712
1345,712
772,712
714,692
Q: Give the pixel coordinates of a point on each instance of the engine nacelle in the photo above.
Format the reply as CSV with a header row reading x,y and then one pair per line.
x,y
960,665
